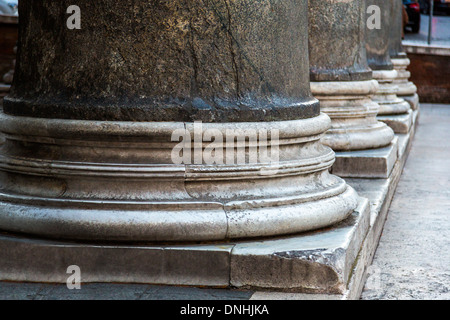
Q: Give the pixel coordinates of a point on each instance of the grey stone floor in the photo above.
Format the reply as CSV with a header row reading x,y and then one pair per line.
x,y
413,258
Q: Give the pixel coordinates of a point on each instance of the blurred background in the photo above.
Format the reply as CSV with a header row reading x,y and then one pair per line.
x,y
427,43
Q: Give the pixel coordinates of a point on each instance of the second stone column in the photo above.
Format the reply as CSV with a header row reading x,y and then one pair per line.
x,y
394,111
341,78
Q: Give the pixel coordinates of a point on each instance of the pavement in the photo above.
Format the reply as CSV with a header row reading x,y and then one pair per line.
x,y
440,32
411,262
413,259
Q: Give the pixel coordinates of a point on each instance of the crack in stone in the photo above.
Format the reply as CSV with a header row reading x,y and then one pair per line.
x,y
233,54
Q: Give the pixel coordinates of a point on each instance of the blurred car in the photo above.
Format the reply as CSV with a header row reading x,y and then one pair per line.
x,y
413,10
5,8
439,6
8,7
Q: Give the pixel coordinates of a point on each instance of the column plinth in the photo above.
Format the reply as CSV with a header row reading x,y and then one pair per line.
x,y
89,152
341,78
386,96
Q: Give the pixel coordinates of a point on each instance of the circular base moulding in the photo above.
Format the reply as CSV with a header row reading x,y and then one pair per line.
x,y
386,96
354,125
116,181
405,87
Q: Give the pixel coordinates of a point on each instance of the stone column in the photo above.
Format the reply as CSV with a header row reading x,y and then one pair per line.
x,y
103,139
341,78
407,89
377,45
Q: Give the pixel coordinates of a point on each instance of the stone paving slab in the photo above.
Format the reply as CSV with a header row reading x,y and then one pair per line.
x,y
412,259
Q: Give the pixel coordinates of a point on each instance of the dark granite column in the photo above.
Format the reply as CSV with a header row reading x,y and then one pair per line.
x,y
100,121
395,35
407,89
341,78
378,49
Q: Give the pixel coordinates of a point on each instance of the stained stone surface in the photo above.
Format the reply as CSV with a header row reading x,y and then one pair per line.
x,y
93,118
377,40
341,78
379,191
336,45
319,262
373,163
399,123
164,61
395,35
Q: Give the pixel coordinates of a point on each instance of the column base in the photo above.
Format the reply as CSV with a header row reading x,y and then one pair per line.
x,y
328,255
117,181
374,163
327,264
400,123
353,115
359,138
386,96
413,100
406,89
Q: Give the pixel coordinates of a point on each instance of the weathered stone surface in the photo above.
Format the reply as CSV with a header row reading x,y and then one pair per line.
x,y
316,263
329,252
336,46
114,291
399,123
164,61
32,260
386,96
341,78
406,89
121,193
70,171
379,192
377,40
379,46
354,124
396,27
375,163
